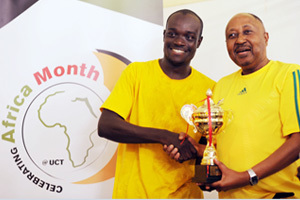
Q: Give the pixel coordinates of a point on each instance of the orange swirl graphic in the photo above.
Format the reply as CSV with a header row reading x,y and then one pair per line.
x,y
112,64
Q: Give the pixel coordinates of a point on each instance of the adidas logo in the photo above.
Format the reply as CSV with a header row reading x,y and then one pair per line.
x,y
243,91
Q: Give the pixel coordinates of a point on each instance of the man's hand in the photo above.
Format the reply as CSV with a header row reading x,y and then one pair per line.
x,y
181,148
173,151
230,179
178,153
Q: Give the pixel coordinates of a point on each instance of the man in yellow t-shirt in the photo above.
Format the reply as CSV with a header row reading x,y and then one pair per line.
x,y
259,146
143,114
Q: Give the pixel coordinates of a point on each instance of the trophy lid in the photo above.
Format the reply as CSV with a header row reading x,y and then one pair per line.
x,y
215,109
206,119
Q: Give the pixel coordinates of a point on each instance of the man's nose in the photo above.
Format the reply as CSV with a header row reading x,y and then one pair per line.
x,y
241,39
179,40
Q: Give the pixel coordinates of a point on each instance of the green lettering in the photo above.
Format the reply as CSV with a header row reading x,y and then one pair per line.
x,y
26,90
9,136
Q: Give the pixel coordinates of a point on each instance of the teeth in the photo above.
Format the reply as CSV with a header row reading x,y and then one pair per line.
x,y
242,50
178,51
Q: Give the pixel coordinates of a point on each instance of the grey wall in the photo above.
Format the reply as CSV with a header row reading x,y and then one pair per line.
x,y
139,10
9,9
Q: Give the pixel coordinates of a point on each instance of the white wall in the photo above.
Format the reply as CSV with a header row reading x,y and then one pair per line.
x,y
280,17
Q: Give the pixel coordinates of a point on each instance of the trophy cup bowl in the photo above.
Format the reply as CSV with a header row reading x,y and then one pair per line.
x,y
207,120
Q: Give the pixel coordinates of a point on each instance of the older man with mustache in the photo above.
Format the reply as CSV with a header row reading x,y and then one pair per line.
x,y
258,148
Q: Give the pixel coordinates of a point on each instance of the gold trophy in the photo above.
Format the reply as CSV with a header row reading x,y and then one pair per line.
x,y
207,120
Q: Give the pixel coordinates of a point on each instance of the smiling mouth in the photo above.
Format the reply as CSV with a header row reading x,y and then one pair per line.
x,y
242,50
178,51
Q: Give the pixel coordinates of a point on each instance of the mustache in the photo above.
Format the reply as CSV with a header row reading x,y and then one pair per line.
x,y
242,47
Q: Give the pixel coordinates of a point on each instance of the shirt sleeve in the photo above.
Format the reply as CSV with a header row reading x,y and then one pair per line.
x,y
289,102
121,98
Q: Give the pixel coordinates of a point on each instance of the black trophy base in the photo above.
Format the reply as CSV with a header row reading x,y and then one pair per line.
x,y
207,174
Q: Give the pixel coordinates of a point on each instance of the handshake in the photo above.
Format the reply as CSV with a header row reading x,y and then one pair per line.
x,y
184,148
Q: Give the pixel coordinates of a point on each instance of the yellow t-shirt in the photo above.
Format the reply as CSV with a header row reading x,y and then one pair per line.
x,y
265,109
145,96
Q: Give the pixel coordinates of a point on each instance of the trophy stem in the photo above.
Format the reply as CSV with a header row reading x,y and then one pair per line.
x,y
209,121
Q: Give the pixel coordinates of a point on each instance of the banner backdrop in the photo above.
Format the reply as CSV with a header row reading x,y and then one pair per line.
x,y
59,60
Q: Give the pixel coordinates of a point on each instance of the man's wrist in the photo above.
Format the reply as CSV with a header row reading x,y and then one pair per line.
x,y
253,177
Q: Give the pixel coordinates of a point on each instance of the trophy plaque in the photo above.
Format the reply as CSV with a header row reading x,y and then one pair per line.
x,y
207,120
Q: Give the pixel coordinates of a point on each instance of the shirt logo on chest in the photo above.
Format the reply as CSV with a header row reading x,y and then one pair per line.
x,y
243,91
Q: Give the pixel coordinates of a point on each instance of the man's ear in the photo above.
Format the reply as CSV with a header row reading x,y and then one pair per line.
x,y
266,36
164,33
199,41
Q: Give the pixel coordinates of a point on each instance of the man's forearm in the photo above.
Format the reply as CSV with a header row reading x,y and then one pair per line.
x,y
281,158
111,126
